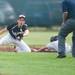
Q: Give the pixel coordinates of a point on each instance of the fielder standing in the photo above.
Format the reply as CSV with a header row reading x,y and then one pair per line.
x,y
15,34
68,26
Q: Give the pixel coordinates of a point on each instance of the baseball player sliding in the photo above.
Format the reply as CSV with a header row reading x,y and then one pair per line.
x,y
53,46
15,34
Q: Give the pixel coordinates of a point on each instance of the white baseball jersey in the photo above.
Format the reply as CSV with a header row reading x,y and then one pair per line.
x,y
54,45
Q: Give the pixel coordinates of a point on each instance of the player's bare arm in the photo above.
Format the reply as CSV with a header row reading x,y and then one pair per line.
x,y
26,32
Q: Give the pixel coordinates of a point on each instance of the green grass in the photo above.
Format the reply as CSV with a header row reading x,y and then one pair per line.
x,y
35,64
42,38
37,38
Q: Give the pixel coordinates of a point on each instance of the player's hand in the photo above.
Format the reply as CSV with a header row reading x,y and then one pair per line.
x,y
34,50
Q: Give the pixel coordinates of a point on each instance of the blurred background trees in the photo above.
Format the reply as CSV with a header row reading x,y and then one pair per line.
x,y
39,13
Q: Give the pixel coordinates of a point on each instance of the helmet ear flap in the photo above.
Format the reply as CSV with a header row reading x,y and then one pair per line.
x,y
54,38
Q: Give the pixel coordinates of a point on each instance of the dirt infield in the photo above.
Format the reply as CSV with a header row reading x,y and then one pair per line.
x,y
7,48
12,48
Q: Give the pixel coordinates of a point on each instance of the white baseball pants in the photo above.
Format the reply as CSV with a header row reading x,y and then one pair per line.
x,y
21,46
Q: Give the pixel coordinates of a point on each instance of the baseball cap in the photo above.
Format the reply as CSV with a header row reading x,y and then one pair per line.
x,y
22,16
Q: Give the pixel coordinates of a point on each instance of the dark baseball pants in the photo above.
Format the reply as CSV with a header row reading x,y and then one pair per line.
x,y
67,27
